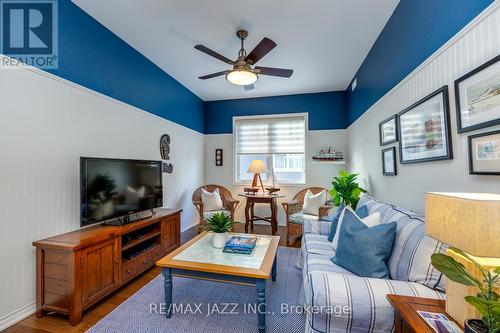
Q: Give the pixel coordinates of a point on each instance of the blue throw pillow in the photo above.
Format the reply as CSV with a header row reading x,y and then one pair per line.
x,y
363,250
362,211
334,219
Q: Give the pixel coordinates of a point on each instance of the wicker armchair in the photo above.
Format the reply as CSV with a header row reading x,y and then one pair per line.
x,y
228,202
294,217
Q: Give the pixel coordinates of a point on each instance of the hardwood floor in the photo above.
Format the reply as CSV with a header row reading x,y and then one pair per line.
x,y
59,324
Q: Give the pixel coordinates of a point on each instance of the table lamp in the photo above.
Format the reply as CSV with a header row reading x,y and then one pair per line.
x,y
256,167
469,222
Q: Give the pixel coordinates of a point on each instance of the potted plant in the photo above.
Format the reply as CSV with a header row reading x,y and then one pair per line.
x,y
487,301
220,224
346,190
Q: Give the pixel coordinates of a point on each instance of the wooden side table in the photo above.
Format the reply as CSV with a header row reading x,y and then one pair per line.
x,y
250,216
406,318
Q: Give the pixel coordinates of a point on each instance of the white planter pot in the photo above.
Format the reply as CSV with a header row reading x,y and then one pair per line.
x,y
219,240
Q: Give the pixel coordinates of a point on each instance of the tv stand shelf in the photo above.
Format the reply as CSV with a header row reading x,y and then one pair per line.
x,y
135,242
77,269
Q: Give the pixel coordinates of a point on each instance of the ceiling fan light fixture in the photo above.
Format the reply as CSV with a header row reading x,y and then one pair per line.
x,y
241,77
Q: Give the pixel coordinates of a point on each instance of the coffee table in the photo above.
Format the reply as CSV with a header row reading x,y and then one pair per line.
x,y
198,259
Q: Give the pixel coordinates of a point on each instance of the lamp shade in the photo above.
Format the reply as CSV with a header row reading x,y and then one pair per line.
x,y
468,221
257,166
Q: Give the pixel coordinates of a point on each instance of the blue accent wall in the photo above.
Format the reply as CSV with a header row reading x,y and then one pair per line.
x,y
94,57
326,110
416,29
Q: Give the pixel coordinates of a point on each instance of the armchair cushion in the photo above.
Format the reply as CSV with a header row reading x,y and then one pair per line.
x,y
211,200
209,214
299,218
312,202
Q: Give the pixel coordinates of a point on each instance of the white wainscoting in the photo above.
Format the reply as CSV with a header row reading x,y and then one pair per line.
x,y
46,124
316,174
474,45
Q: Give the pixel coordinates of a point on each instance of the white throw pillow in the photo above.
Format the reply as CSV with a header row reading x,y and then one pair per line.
x,y
211,200
370,221
312,202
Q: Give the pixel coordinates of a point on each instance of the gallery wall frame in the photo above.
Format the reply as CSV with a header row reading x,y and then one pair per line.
x,y
427,140
484,153
389,167
482,87
388,131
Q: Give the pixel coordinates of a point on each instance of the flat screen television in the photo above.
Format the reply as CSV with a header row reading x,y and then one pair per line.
x,y
114,188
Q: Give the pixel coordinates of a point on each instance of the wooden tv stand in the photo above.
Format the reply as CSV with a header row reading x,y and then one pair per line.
x,y
77,269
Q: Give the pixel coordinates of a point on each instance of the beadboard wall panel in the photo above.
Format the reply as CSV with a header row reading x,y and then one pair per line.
x,y
46,124
474,45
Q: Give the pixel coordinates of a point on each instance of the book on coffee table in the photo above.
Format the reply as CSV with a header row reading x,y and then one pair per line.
x,y
240,244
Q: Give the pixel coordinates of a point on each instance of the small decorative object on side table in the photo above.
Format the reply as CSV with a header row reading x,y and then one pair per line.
x,y
272,184
272,190
406,317
251,190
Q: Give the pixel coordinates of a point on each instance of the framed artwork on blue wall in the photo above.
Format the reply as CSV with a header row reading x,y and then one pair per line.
x,y
424,129
477,95
389,162
388,131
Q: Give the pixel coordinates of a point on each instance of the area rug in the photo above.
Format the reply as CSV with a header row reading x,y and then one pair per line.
x,y
205,306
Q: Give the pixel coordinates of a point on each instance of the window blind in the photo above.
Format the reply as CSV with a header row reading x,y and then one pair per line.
x,y
270,135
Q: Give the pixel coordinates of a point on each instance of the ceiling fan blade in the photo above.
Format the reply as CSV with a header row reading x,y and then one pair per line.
x,y
214,54
281,72
209,76
260,51
249,87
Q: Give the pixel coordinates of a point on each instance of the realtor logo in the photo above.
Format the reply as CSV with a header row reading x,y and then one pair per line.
x,y
29,32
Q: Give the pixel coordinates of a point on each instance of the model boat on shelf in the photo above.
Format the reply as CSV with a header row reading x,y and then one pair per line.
x,y
329,155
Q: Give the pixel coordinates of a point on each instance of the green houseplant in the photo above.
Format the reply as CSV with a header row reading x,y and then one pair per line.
x,y
487,301
346,190
220,224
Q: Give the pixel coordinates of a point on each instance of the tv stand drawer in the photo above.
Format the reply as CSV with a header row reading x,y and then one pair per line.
x,y
128,271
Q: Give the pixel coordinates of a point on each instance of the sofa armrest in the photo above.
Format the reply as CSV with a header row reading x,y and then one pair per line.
x,y
316,227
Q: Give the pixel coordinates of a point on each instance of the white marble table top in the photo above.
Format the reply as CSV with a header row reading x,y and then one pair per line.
x,y
202,251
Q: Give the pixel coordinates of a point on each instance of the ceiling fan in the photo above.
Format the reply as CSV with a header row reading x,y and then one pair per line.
x,y
244,72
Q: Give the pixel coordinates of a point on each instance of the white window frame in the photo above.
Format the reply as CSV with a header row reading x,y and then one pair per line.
x,y
305,115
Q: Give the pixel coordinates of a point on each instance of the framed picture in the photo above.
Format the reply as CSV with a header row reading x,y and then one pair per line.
x,y
484,153
389,162
218,157
477,96
424,129
388,131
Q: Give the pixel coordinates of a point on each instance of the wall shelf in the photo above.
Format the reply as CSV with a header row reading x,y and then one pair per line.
x,y
329,162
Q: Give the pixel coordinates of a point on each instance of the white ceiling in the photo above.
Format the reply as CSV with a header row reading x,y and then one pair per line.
x,y
323,41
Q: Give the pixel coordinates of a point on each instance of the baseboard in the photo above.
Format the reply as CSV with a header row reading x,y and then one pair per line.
x,y
17,315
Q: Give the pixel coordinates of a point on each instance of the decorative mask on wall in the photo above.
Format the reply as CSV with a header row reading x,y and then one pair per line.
x,y
164,152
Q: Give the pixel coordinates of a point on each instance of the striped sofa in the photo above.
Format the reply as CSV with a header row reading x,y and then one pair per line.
x,y
340,301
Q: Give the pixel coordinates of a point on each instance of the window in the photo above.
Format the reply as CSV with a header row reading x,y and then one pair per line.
x,y
277,140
